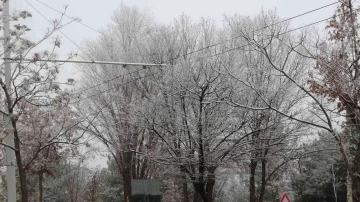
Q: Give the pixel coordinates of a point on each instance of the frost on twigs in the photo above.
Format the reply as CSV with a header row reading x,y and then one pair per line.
x,y
45,128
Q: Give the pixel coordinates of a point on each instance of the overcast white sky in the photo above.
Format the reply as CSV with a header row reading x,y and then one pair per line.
x,y
97,14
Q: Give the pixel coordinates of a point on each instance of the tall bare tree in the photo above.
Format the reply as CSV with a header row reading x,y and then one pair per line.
x,y
120,95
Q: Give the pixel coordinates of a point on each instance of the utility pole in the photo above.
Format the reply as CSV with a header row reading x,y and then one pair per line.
x,y
9,139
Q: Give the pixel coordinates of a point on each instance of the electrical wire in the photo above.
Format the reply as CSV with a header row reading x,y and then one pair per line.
x,y
243,46
91,87
232,49
189,53
107,90
107,81
292,30
282,21
85,25
276,23
212,45
192,52
73,42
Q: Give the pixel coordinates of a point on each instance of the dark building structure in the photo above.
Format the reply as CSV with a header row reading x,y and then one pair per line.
x,y
145,191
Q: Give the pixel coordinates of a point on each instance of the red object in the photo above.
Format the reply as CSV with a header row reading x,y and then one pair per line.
x,y
285,198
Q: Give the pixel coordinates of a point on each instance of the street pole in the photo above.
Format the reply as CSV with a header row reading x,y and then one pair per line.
x,y
9,139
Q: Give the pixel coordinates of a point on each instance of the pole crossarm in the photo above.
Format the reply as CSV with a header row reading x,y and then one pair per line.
x,y
13,60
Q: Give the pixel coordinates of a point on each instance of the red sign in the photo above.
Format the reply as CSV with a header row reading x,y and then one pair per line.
x,y
285,198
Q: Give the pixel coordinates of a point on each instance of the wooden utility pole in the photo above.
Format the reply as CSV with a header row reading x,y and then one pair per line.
x,y
9,139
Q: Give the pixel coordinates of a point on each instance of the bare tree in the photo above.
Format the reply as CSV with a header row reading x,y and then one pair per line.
x,y
33,86
116,126
335,76
200,132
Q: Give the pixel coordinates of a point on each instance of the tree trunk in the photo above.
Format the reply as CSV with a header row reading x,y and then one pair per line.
x,y
348,188
356,189
22,176
41,176
252,190
200,189
210,190
127,174
127,186
356,178
334,183
197,197
356,195
185,191
263,180
22,173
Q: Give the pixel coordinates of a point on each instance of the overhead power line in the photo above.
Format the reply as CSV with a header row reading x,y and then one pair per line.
x,y
292,30
73,42
192,52
212,45
232,49
144,65
52,8
107,90
276,23
107,81
82,61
